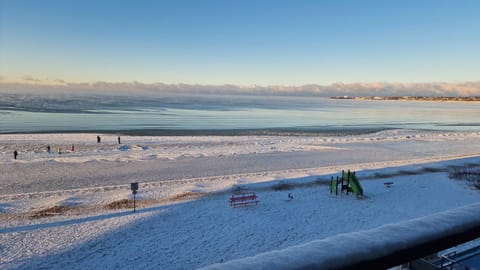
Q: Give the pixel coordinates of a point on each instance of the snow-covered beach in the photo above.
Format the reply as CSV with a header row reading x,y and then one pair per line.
x,y
223,135
65,210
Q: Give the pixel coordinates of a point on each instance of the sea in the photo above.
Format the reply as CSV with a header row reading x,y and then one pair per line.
x,y
213,114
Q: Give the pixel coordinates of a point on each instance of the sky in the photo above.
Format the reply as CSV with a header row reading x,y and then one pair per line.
x,y
258,42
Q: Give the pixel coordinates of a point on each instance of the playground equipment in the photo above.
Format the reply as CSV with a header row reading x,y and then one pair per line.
x,y
349,182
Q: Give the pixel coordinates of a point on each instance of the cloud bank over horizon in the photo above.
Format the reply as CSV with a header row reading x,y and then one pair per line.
x,y
33,85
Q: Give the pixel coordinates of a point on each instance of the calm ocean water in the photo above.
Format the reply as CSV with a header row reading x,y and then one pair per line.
x,y
209,114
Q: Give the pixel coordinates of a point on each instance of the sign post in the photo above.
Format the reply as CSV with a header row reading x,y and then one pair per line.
x,y
134,188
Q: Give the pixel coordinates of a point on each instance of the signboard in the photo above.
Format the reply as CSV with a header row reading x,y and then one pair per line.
x,y
134,187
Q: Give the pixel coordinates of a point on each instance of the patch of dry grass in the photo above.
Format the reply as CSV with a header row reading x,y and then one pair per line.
x,y
470,174
186,196
49,212
128,203
283,186
121,204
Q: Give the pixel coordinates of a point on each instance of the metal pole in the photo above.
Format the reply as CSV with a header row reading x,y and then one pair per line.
x,y
134,202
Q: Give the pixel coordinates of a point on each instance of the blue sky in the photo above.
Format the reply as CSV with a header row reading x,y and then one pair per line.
x,y
240,42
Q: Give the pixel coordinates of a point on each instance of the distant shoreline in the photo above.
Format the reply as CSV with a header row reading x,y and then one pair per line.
x,y
413,98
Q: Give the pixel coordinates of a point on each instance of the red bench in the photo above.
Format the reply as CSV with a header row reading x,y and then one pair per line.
x,y
243,199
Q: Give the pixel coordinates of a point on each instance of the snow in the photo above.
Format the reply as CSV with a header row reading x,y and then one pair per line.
x,y
184,220
340,251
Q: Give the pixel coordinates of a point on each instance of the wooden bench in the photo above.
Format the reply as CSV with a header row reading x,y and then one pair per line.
x,y
243,199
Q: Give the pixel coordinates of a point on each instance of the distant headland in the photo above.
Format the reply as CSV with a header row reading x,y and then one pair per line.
x,y
411,98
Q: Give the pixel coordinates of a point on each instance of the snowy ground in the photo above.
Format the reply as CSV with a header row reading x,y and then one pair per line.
x,y
184,220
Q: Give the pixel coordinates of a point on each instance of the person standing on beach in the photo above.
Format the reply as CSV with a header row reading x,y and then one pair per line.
x,y
119,140
48,149
98,139
73,148
15,154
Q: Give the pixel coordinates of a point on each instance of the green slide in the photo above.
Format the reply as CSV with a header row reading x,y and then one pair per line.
x,y
355,185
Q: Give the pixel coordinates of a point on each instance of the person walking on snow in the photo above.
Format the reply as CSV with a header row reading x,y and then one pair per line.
x,y
15,154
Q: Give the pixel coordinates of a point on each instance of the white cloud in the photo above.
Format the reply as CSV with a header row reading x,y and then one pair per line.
x,y
36,85
29,78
